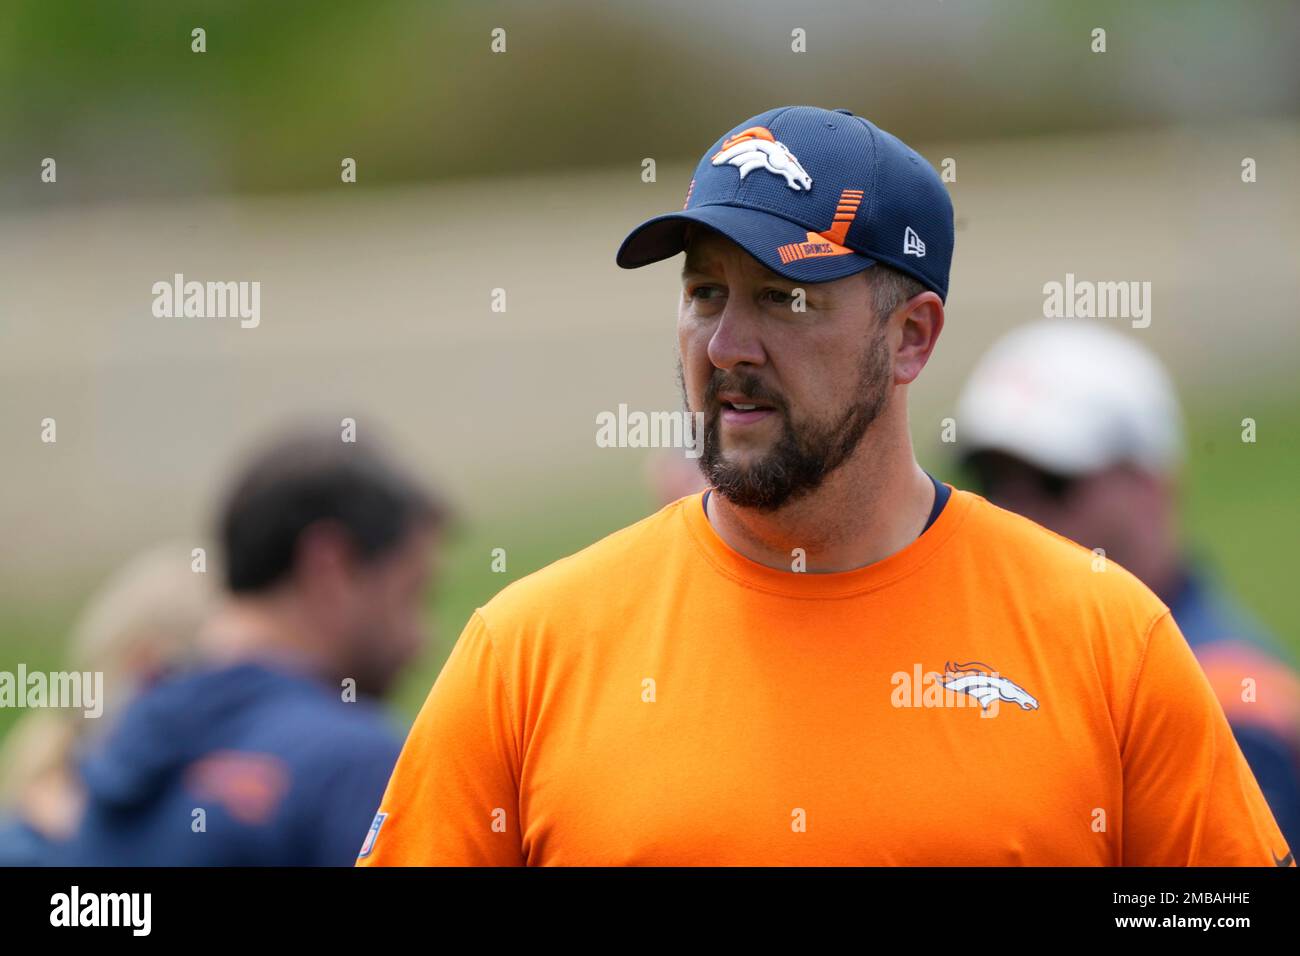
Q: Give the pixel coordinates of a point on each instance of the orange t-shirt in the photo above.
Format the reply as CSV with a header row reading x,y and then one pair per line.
x,y
991,694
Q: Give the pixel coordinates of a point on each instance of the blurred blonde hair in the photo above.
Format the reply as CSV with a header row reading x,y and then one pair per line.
x,y
141,623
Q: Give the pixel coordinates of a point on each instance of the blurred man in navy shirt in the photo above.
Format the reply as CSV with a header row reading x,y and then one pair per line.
x,y
271,752
1076,426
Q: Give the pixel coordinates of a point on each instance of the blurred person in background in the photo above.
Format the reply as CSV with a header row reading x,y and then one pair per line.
x,y
138,628
272,751
1076,426
670,475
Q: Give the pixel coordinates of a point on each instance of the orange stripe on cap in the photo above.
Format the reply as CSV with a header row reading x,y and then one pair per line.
x,y
817,247
850,200
830,242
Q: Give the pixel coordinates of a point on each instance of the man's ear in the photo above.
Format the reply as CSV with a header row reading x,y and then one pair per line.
x,y
323,556
921,321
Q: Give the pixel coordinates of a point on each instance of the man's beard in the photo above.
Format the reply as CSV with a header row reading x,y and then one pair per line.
x,y
806,452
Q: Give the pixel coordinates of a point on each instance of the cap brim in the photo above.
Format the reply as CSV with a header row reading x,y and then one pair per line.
x,y
1070,462
759,233
1035,433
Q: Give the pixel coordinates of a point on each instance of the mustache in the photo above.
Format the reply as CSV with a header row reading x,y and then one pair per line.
x,y
744,382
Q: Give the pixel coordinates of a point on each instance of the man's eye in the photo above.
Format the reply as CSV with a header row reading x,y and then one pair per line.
x,y
778,296
704,292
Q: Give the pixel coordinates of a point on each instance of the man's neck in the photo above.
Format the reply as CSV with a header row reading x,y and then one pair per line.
x,y
269,631
873,506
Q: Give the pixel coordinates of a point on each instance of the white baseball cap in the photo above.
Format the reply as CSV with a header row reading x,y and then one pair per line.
x,y
1071,396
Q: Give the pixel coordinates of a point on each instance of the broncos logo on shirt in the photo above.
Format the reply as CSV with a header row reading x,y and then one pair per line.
x,y
756,148
980,681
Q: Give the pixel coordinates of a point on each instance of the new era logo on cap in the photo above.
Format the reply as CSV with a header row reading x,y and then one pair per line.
x,y
814,195
912,244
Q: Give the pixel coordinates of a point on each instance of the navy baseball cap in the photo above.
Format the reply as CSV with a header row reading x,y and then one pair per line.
x,y
814,195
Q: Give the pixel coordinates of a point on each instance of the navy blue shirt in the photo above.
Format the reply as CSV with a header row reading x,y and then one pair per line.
x,y
1222,635
21,844
245,765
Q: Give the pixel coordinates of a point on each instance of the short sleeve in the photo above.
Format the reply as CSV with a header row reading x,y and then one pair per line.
x,y
453,797
1189,796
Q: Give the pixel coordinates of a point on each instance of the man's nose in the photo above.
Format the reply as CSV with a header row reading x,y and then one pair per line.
x,y
735,339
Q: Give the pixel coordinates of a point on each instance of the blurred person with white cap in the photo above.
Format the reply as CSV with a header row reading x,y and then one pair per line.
x,y
1078,427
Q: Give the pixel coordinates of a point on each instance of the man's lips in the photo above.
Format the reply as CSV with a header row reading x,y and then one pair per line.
x,y
735,416
739,409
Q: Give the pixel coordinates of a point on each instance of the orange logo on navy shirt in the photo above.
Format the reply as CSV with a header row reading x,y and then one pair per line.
x,y
830,242
249,785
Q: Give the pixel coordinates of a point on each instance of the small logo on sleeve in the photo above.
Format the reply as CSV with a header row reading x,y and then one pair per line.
x,y
372,835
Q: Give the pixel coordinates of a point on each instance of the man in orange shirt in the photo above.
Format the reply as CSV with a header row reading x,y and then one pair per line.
x,y
829,658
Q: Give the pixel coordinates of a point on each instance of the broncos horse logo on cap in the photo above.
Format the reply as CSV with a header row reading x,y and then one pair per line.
x,y
756,148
